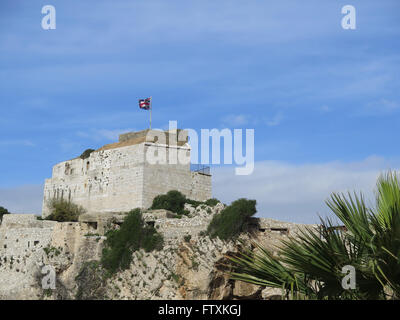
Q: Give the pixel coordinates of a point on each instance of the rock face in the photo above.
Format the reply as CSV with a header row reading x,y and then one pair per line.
x,y
28,244
190,266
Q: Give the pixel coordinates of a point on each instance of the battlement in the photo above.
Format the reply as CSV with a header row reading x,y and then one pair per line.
x,y
178,136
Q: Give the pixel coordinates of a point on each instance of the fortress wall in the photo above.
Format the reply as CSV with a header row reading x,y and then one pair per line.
x,y
127,175
22,239
27,244
22,233
200,187
161,178
109,180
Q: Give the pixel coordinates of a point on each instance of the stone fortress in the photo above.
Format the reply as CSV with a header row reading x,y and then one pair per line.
x,y
108,182
128,174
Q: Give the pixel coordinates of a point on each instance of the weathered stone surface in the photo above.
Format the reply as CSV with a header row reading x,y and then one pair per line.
x,y
190,266
243,289
271,294
28,244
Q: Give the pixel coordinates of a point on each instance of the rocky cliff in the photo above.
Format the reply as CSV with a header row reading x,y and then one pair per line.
x,y
190,266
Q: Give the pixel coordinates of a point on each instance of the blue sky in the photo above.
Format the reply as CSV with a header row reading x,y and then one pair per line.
x,y
323,100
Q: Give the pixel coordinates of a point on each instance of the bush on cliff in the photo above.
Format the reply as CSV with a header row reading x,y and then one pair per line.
x,y
133,235
63,210
175,201
232,220
85,154
212,202
3,211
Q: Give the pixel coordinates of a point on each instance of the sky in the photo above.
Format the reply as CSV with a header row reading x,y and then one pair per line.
x,y
324,102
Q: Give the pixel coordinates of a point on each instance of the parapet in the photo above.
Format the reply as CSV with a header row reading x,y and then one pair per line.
x,y
16,221
177,137
148,135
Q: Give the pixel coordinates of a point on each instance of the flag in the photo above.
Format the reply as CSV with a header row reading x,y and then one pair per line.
x,y
145,104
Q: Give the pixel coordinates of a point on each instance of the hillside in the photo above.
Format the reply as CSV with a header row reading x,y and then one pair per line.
x,y
189,266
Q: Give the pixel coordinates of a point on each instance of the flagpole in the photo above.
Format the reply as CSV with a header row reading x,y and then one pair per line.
x,y
151,108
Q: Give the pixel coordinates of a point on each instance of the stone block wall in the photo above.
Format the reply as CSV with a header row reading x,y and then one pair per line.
x,y
22,239
200,189
27,244
161,178
22,233
108,181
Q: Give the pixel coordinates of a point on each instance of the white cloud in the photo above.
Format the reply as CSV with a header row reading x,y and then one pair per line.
x,y
22,199
238,120
381,107
297,192
235,120
22,142
160,21
275,120
325,108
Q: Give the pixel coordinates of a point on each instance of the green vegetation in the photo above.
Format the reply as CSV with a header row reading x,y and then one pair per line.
x,y
3,211
86,154
50,251
89,234
133,235
212,202
232,220
310,266
63,210
175,201
47,292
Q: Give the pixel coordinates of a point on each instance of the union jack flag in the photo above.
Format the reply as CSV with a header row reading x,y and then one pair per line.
x,y
145,104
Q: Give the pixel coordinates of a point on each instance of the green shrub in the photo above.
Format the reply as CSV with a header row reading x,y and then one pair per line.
x,y
212,202
232,220
86,153
194,203
133,235
52,250
173,201
3,211
62,210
